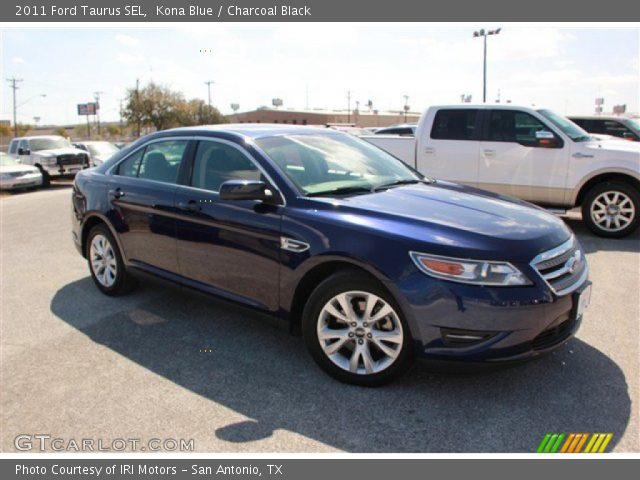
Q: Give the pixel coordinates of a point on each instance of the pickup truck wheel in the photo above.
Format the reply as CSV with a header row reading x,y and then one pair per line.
x,y
46,178
355,330
106,264
611,209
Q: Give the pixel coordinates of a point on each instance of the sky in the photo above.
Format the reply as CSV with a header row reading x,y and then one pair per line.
x,y
314,65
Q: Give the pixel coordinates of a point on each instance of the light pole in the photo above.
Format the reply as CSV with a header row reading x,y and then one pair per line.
x,y
208,83
15,109
406,107
485,33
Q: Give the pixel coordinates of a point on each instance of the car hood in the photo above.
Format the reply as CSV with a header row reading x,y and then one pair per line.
x,y
447,215
613,145
54,152
17,168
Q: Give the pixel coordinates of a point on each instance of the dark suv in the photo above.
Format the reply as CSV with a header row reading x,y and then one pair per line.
x,y
374,262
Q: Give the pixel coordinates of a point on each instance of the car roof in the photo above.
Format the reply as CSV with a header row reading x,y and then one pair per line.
x,y
596,117
251,130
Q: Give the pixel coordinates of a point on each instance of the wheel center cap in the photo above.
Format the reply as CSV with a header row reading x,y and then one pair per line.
x,y
360,332
612,209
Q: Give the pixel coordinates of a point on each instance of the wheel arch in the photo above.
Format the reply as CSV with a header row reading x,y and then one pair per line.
x,y
601,177
91,220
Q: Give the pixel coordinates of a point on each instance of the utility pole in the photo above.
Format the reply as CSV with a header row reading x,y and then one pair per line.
x,y
348,106
208,84
137,107
405,107
13,81
96,95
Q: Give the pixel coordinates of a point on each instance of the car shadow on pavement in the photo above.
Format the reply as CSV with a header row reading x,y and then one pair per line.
x,y
257,369
592,243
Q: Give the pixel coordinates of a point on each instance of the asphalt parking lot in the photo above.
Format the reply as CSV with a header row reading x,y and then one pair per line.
x,y
164,362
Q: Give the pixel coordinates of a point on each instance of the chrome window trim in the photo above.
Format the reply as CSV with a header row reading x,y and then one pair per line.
x,y
199,138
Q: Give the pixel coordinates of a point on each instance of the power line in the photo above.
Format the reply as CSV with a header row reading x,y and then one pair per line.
x,y
13,81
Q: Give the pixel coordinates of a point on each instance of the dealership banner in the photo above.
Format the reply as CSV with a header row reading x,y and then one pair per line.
x,y
312,11
312,469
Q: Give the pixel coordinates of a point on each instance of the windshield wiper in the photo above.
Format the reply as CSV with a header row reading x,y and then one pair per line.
x,y
341,191
397,183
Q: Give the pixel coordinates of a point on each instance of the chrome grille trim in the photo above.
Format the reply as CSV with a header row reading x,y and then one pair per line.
x,y
557,262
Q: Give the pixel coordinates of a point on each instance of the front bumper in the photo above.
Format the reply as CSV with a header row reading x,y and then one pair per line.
x,y
56,170
455,322
25,181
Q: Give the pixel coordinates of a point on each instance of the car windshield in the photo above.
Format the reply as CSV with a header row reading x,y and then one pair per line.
x,y
102,148
633,124
570,129
334,164
36,144
7,161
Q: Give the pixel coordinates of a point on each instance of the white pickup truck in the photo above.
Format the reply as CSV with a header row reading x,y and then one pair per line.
x,y
533,154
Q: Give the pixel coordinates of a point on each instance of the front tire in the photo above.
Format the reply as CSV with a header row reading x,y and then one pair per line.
x,y
611,209
355,330
105,263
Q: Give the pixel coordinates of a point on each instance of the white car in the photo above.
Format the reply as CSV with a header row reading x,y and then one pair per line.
x,y
99,151
534,154
15,176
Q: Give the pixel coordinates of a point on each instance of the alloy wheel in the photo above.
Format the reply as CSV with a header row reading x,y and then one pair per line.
x,y
103,261
360,332
612,211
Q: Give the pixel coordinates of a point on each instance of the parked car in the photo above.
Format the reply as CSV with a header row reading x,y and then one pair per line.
x,y
405,129
620,127
15,176
53,155
373,261
99,151
533,154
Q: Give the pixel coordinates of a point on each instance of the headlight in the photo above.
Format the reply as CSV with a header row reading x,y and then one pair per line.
x,y
476,272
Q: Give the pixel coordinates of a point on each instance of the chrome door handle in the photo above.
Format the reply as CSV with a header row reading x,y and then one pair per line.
x,y
191,206
582,155
116,193
429,150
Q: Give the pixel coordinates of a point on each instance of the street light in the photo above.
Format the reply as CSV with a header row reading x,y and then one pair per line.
x,y
40,95
485,33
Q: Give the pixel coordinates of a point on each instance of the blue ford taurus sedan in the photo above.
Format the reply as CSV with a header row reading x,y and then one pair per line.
x,y
373,262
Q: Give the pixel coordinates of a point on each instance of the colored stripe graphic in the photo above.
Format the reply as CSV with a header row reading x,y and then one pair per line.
x,y
574,442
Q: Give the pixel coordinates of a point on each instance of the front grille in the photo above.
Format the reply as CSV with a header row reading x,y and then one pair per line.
x,y
554,335
72,159
563,268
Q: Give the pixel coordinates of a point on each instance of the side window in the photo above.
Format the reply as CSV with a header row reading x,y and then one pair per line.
x,y
130,167
24,145
161,161
13,146
217,162
614,128
514,126
454,124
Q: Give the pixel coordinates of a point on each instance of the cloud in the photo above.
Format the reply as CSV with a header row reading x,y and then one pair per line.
x,y
127,40
17,60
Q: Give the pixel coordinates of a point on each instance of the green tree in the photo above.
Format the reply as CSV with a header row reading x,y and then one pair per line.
x,y
113,131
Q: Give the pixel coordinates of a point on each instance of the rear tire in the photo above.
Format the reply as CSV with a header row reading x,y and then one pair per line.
x,y
105,263
611,209
355,330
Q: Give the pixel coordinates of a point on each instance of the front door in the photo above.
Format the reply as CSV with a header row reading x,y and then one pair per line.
x,y
231,248
513,161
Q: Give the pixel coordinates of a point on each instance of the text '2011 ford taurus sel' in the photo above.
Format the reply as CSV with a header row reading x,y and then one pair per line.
x,y
374,262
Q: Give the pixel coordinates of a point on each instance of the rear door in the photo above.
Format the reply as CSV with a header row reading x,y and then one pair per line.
x,y
142,193
514,161
231,248
450,150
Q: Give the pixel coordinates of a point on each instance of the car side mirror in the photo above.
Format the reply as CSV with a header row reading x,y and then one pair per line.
x,y
23,151
546,139
248,190
628,136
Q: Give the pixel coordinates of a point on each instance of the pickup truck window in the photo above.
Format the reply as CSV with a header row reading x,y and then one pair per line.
x,y
570,129
44,143
514,126
454,124
13,146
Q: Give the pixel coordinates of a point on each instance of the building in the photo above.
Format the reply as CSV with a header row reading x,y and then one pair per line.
x,y
323,117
